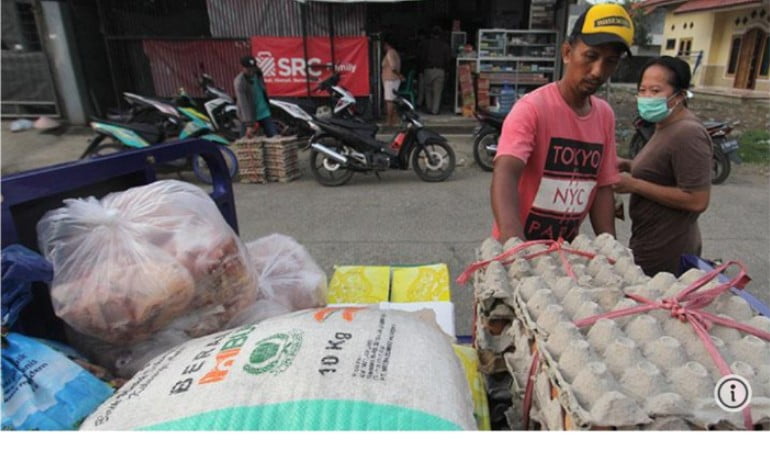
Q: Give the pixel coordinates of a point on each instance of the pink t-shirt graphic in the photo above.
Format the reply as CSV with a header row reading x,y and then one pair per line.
x,y
567,158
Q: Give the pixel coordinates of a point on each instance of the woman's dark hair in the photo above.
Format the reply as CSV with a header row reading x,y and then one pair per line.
x,y
678,70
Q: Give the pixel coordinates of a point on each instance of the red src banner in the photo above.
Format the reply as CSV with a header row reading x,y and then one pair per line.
x,y
282,61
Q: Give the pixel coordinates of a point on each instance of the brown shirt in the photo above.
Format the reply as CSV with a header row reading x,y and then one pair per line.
x,y
679,155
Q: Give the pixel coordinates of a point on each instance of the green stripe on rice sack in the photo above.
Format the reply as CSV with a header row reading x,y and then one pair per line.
x,y
311,415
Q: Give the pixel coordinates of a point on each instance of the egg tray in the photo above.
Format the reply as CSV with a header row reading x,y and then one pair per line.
x,y
643,371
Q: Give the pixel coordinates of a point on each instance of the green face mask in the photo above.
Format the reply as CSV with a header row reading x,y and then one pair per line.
x,y
654,109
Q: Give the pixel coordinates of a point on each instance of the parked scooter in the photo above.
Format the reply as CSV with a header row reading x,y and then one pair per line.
x,y
292,119
725,149
129,134
342,100
486,135
340,148
220,108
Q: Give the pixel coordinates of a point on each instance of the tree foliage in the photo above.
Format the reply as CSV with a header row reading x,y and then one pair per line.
x,y
641,29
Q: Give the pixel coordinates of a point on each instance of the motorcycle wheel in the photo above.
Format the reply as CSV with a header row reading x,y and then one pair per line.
x,y
326,171
434,161
720,168
483,157
202,171
636,145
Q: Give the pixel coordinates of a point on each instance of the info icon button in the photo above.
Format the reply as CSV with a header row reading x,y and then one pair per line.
x,y
732,393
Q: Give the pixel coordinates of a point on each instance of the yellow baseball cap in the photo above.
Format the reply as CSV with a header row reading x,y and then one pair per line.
x,y
605,23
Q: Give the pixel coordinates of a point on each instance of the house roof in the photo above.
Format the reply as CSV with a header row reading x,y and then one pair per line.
x,y
705,5
688,6
650,5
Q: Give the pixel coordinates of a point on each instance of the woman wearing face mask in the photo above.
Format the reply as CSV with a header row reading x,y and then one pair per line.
x,y
670,179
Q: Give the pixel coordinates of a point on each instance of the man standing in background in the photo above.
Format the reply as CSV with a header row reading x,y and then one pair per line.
x,y
435,57
252,100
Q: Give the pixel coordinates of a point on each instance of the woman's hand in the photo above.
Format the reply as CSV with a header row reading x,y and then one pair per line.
x,y
626,185
695,201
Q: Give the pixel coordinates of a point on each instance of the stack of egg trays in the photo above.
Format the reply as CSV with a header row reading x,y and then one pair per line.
x,y
493,305
646,371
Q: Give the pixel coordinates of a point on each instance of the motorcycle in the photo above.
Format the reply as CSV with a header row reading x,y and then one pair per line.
x,y
486,135
292,119
220,108
147,121
343,101
339,148
724,149
131,134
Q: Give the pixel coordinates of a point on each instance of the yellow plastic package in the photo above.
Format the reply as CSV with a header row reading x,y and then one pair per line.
x,y
359,284
420,283
469,359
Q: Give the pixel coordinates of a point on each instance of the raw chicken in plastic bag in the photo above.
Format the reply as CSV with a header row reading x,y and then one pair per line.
x,y
289,279
140,261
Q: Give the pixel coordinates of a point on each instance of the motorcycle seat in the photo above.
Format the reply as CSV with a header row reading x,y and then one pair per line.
x,y
362,127
151,133
492,115
495,119
712,125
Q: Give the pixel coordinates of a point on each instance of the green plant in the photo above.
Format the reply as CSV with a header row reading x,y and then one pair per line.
x,y
641,28
754,146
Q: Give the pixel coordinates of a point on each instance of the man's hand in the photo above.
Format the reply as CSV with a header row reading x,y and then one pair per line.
x,y
626,185
251,131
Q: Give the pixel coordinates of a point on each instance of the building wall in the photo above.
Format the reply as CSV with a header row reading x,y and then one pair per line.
x,y
712,33
699,27
245,18
725,30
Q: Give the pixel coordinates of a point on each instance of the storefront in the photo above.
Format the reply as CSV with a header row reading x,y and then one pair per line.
x,y
156,48
513,45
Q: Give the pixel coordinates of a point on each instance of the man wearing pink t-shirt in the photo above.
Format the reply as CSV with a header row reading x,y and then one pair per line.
x,y
556,157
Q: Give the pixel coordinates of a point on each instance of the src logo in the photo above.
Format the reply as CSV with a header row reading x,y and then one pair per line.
x,y
287,67
274,354
266,63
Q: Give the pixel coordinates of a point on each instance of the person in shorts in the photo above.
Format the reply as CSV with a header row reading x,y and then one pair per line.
x,y
391,79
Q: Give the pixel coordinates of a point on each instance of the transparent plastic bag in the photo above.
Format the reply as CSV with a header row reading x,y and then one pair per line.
x,y
288,277
138,261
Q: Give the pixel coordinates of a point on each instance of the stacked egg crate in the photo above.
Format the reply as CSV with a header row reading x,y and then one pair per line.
x,y
281,159
645,371
251,159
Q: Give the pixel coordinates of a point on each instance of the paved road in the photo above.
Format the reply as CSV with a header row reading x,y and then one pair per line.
x,y
402,220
